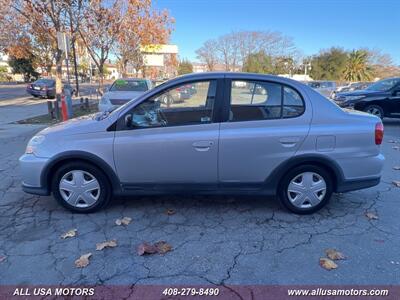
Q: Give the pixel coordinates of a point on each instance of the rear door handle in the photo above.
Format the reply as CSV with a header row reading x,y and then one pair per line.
x,y
203,145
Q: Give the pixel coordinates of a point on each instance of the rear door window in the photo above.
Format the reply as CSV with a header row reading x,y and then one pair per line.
x,y
257,100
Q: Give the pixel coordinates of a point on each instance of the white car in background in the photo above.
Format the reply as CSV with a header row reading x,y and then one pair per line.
x,y
326,88
122,91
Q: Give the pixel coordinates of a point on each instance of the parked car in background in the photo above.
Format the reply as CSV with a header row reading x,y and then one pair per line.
x,y
355,86
43,88
381,98
179,94
290,142
122,91
326,88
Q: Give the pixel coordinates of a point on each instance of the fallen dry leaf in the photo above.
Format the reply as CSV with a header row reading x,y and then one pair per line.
x,y
327,264
2,258
396,168
146,248
333,254
106,244
163,247
396,183
170,212
124,221
371,215
69,233
83,261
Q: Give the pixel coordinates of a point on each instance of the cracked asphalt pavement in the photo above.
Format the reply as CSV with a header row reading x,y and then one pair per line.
x,y
216,240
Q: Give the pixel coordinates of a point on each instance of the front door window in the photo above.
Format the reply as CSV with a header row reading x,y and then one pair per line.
x,y
186,104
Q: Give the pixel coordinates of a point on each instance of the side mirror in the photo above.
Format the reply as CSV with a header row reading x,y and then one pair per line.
x,y
128,120
396,93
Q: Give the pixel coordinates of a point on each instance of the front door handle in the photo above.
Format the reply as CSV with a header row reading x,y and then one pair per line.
x,y
203,145
289,141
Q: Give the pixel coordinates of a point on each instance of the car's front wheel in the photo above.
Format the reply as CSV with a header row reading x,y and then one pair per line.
x,y
375,110
81,187
306,189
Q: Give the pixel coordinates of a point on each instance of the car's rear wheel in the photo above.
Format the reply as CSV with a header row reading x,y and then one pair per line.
x,y
81,187
306,189
375,110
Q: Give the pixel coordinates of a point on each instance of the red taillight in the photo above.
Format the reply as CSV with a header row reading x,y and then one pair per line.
x,y
378,133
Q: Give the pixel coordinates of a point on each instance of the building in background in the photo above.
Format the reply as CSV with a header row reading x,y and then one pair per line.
x,y
160,61
199,67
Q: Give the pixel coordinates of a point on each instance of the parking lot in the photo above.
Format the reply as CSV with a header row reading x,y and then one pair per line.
x,y
215,240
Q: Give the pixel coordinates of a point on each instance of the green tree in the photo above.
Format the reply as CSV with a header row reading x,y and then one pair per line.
x,y
258,62
329,64
357,68
185,67
283,65
3,73
23,66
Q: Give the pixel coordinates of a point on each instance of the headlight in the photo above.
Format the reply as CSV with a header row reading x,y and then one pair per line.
x,y
352,98
33,143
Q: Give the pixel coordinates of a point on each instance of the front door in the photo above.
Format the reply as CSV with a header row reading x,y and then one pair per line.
x,y
393,103
172,139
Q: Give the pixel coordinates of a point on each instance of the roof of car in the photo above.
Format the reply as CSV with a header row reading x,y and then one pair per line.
x,y
237,75
132,79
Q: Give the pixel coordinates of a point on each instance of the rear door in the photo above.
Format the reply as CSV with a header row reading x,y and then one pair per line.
x,y
266,123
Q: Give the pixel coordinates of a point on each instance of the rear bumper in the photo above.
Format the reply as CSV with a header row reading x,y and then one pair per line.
x,y
357,184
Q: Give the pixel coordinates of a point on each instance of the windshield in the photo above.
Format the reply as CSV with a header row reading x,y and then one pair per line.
x,y
384,85
123,85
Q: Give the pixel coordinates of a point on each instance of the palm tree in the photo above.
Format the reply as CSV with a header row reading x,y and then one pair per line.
x,y
357,68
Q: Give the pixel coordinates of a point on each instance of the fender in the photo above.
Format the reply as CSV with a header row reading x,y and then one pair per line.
x,y
275,177
80,155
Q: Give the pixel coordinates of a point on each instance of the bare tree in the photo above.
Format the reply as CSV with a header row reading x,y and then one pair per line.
x,y
233,48
99,31
208,54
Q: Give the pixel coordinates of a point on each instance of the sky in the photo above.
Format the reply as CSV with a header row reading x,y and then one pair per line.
x,y
313,24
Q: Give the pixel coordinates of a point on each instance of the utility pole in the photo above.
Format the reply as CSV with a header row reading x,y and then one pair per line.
x,y
73,39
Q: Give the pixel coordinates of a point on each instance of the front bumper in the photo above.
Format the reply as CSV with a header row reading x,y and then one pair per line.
x,y
31,171
39,93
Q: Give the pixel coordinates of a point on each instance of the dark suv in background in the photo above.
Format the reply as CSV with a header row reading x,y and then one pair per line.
x,y
381,99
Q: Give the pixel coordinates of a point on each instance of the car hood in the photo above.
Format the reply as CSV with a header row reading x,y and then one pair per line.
x,y
122,95
360,93
85,124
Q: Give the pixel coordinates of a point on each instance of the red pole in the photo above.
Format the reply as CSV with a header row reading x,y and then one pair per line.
x,y
64,108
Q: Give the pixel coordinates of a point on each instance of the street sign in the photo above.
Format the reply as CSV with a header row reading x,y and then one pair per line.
x,y
63,42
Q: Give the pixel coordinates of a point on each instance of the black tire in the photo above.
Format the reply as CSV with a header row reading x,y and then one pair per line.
x,y
105,187
284,184
375,108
